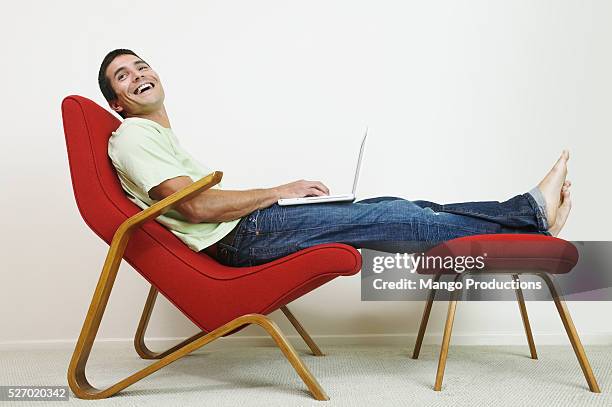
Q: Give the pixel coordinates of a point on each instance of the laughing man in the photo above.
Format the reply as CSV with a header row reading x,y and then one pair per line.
x,y
242,228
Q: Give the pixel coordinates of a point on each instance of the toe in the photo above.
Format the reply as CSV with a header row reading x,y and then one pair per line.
x,y
566,201
565,154
561,162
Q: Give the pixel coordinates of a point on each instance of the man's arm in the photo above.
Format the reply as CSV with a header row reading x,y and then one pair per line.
x,y
215,205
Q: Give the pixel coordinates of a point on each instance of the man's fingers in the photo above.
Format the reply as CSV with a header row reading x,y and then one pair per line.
x,y
319,185
303,188
312,191
322,187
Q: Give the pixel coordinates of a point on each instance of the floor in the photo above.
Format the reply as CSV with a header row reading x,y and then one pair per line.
x,y
351,376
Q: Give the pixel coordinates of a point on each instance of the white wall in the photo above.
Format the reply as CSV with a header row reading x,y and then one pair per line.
x,y
467,101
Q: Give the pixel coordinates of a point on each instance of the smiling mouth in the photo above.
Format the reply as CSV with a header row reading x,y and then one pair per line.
x,y
145,87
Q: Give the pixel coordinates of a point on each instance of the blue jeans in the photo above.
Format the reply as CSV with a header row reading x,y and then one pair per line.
x,y
384,223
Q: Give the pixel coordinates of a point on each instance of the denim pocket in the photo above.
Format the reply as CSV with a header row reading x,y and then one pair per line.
x,y
249,222
226,254
260,255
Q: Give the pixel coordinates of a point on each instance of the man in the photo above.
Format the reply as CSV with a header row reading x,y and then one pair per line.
x,y
242,228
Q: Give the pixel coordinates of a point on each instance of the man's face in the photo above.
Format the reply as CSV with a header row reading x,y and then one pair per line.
x,y
137,86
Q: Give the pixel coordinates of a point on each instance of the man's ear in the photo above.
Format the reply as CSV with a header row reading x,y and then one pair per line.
x,y
116,106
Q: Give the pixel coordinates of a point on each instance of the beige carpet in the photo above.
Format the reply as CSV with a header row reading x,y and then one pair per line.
x,y
351,376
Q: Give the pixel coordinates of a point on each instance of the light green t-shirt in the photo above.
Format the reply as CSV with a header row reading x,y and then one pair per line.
x,y
145,154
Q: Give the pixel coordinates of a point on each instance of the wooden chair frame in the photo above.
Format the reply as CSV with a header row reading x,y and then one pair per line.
x,y
146,353
76,371
559,303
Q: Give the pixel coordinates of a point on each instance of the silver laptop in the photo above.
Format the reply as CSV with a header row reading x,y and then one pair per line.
x,y
331,198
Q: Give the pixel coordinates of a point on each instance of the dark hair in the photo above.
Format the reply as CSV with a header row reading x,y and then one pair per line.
x,y
103,82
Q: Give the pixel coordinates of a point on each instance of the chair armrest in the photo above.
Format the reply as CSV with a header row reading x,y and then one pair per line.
x,y
166,204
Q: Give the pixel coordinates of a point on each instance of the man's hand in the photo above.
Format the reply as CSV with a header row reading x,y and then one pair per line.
x,y
300,189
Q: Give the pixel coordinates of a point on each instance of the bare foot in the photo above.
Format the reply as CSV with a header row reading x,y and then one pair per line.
x,y
551,186
563,210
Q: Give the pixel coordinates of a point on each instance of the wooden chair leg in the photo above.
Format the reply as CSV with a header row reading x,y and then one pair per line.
x,y
146,353
77,378
139,338
571,333
83,389
523,308
448,328
424,320
302,331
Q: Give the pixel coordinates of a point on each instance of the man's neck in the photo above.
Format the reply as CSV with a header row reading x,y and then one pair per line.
x,y
159,116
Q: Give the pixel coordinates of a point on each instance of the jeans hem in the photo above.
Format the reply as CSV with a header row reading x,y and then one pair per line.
x,y
540,214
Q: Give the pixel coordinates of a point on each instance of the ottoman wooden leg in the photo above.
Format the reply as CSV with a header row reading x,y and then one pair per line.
x,y
424,320
572,333
448,328
523,308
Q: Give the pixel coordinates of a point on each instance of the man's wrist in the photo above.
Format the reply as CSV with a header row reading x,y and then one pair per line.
x,y
269,197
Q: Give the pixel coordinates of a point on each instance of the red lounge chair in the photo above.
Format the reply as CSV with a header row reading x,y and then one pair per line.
x,y
220,300
512,254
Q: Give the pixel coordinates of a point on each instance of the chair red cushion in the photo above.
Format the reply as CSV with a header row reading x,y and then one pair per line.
x,y
510,252
207,292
